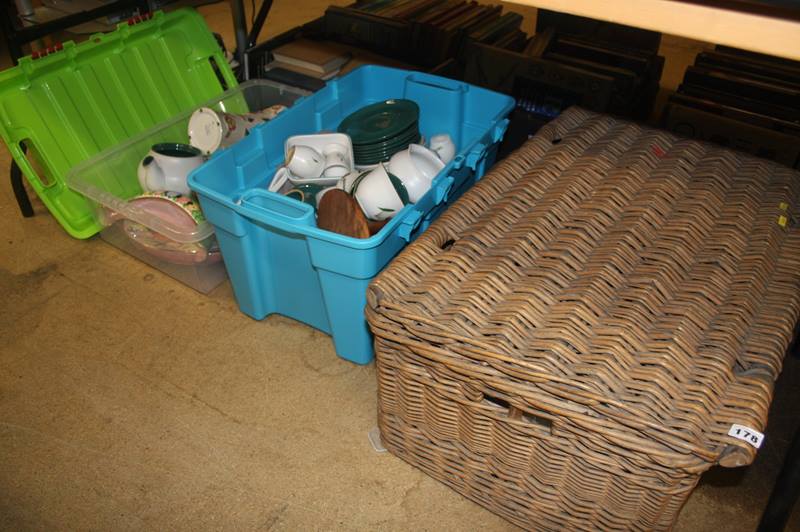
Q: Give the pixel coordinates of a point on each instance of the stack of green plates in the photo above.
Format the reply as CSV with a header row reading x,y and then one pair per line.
x,y
382,129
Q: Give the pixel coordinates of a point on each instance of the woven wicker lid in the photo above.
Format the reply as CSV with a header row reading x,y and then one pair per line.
x,y
635,283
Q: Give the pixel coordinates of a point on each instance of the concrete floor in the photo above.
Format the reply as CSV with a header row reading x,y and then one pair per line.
x,y
128,401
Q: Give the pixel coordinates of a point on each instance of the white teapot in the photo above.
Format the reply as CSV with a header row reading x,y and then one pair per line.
x,y
167,166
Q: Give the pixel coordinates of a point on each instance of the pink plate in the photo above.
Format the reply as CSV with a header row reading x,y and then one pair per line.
x,y
183,214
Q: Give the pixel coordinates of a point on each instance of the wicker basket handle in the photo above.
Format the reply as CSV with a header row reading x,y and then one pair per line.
x,y
755,381
735,455
386,283
374,296
501,404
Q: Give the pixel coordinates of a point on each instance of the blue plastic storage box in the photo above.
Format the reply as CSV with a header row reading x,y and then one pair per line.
x,y
278,260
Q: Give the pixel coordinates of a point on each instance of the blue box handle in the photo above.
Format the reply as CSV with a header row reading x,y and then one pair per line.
x,y
409,224
474,156
438,82
276,210
442,190
500,130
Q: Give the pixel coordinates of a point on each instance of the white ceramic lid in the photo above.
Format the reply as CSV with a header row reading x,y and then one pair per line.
x,y
205,130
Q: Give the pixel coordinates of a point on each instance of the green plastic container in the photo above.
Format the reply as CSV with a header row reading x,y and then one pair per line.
x,y
80,99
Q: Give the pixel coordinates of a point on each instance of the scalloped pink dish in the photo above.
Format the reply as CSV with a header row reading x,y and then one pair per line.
x,y
178,211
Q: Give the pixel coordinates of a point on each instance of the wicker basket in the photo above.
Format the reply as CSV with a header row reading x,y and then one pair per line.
x,y
571,342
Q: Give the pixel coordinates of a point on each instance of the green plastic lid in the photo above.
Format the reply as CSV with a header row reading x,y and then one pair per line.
x,y
76,100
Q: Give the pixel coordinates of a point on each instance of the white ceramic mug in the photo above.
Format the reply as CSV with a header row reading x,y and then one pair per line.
x,y
444,147
166,167
416,167
305,162
380,194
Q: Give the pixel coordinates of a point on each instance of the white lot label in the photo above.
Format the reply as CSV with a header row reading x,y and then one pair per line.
x,y
751,436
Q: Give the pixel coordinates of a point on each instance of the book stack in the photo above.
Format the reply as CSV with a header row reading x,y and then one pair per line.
x,y
424,32
595,49
571,60
743,100
481,22
309,58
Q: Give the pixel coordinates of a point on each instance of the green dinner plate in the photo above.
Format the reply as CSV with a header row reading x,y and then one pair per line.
x,y
370,162
380,121
380,153
388,146
372,159
384,146
411,130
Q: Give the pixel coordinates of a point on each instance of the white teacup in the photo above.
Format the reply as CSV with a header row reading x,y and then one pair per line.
x,y
210,130
416,167
335,148
305,162
336,163
322,193
166,167
280,181
444,147
346,182
380,194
